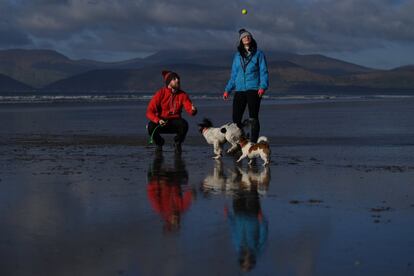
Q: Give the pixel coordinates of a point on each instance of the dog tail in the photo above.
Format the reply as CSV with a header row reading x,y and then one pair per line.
x,y
263,139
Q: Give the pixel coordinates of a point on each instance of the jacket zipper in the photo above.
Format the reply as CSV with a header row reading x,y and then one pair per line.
x,y
244,67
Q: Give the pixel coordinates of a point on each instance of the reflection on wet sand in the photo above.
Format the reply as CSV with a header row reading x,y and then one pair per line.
x,y
168,191
248,225
232,180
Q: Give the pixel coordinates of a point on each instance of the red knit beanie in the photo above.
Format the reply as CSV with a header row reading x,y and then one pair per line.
x,y
168,76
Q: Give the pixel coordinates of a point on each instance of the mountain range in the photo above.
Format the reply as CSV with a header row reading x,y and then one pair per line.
x,y
201,71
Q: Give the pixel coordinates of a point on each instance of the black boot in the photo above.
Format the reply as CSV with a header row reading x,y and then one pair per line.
x,y
255,129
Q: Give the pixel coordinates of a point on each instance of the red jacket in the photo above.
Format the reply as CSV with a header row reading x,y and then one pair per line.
x,y
167,105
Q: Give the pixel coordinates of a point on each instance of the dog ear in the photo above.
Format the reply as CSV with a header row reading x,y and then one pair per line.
x,y
207,122
243,139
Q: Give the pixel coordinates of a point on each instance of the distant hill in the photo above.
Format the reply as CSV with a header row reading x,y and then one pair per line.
x,y
41,67
9,85
404,68
194,77
200,70
382,79
199,57
284,77
329,66
285,74
316,63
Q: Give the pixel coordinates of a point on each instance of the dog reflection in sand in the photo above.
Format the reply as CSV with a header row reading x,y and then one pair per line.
x,y
226,182
248,225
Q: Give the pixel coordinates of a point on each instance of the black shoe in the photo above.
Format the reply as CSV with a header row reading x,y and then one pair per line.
x,y
177,148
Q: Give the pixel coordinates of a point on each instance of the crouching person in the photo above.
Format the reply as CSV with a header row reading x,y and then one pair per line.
x,y
164,112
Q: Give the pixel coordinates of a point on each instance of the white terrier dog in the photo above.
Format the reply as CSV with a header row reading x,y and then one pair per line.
x,y
251,150
218,136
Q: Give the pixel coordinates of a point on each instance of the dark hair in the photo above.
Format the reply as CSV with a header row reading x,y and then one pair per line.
x,y
247,259
170,77
252,48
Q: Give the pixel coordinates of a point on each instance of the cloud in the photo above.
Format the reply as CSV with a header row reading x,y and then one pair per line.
x,y
10,37
146,25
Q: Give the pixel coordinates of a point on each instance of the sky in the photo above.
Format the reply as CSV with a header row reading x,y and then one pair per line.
x,y
373,33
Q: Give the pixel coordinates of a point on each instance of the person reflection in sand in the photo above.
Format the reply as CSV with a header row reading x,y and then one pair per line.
x,y
249,227
165,191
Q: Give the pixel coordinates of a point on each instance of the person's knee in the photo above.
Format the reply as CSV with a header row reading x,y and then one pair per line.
x,y
184,126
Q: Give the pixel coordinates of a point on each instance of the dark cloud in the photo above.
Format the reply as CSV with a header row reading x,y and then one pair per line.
x,y
10,37
10,34
136,26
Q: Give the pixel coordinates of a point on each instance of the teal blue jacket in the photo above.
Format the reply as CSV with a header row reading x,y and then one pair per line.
x,y
248,74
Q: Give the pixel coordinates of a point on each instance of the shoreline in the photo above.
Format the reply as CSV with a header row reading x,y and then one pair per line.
x,y
271,98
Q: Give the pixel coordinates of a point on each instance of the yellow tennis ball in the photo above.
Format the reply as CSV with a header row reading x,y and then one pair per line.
x,y
244,11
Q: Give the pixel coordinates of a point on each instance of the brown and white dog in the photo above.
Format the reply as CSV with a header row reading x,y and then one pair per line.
x,y
218,136
251,150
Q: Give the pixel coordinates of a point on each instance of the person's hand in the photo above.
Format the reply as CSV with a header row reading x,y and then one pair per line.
x,y
260,92
225,95
162,122
194,110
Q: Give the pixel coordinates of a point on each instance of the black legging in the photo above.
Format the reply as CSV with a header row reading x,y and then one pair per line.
x,y
252,100
177,126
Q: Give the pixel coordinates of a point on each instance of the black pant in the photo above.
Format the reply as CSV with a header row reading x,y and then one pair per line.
x,y
177,126
252,100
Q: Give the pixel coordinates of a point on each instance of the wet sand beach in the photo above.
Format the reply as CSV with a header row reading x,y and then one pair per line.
x,y
82,192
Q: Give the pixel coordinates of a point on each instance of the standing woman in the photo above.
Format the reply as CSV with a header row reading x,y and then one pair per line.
x,y
250,79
